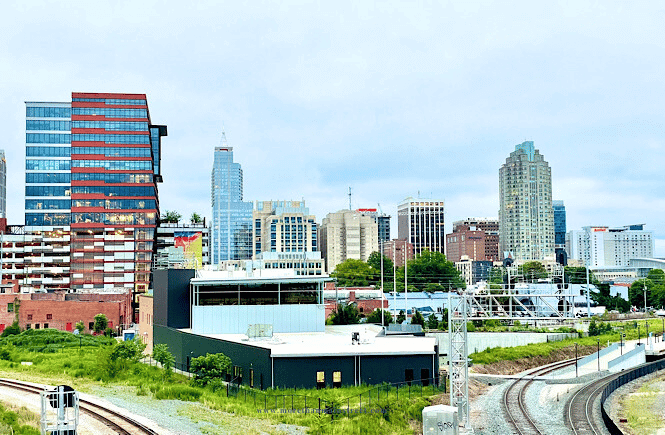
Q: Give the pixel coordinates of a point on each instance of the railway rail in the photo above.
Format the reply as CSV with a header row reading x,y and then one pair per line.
x,y
514,403
579,410
118,422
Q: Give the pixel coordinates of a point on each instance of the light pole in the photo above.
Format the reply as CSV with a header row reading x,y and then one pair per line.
x,y
598,352
638,335
645,299
575,359
381,254
646,323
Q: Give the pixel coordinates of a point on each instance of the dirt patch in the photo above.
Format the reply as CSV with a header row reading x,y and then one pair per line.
x,y
519,365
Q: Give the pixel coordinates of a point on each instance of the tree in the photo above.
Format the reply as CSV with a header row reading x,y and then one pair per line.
x,y
533,271
196,218
171,216
352,273
161,354
129,350
401,317
417,319
374,263
577,275
603,297
432,322
208,367
432,267
101,323
80,327
375,317
345,315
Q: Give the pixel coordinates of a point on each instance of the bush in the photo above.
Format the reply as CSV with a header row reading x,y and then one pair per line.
x,y
14,329
101,323
470,327
209,367
162,355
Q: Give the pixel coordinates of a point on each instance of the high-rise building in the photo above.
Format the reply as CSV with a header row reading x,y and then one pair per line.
x,y
477,238
231,232
606,247
284,226
3,185
92,168
347,234
526,221
421,223
559,210
382,220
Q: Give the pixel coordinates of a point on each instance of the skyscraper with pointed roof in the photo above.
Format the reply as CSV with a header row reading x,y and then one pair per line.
x,y
231,216
526,218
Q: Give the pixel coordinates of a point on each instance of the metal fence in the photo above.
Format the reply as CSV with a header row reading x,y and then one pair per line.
x,y
629,376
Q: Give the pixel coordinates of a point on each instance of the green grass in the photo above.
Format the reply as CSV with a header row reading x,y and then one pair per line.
x,y
639,410
87,366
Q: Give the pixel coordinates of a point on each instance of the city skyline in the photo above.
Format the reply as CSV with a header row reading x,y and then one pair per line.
x,y
429,108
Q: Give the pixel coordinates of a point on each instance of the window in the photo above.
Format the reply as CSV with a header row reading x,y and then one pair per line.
x,y
36,325
29,316
27,326
91,325
49,317
45,325
337,379
320,380
10,307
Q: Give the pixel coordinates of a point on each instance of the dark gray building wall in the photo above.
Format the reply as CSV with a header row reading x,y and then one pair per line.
x,y
374,369
171,297
184,346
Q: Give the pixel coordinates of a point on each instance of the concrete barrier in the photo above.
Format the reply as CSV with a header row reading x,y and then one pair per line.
x,y
628,360
593,357
479,341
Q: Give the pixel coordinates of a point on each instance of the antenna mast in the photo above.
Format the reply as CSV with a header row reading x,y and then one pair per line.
x,y
349,198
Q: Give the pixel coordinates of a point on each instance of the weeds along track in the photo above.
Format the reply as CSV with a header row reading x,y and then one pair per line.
x,y
514,399
116,421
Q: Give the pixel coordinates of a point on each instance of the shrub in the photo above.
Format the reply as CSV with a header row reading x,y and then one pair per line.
x,y
14,329
80,327
470,327
209,367
101,323
162,355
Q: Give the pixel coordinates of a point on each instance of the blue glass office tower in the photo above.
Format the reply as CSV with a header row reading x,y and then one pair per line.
x,y
560,232
231,216
92,168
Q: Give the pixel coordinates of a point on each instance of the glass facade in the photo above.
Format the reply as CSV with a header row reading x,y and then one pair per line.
x,y
106,196
3,185
231,233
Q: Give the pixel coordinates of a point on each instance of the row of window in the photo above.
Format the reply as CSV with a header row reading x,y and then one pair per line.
x,y
110,125
47,151
110,113
115,218
113,151
48,165
48,112
116,101
112,178
113,138
148,191
115,165
47,138
109,204
47,177
42,191
49,125
49,219
66,177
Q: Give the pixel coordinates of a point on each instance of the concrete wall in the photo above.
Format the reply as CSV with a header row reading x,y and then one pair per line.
x,y
594,356
479,341
628,360
235,319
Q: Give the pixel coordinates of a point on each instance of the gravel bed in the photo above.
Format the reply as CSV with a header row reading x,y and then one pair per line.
x,y
613,406
545,403
189,418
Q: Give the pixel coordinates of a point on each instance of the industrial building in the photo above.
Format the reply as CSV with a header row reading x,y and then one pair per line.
x,y
272,327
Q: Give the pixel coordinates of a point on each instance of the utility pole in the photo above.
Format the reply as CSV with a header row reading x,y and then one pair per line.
x,y
381,254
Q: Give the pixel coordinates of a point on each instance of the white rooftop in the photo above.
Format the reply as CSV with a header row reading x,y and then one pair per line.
x,y
336,341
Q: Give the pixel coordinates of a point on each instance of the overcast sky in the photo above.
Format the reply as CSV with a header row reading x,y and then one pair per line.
x,y
392,99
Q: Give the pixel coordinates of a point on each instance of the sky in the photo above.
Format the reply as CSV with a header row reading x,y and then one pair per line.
x,y
391,99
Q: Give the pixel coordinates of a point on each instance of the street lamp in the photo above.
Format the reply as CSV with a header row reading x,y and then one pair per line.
x,y
575,359
598,352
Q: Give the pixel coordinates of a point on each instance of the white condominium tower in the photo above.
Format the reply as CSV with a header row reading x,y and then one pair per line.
x,y
526,218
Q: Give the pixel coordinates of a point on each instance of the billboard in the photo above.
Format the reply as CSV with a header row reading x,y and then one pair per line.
x,y
191,243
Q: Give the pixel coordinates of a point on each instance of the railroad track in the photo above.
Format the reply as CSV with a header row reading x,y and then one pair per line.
x,y
118,422
514,395
579,408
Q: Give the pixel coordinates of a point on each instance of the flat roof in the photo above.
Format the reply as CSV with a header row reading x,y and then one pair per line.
x,y
335,341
